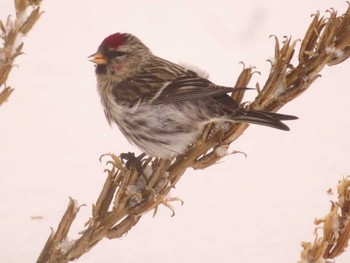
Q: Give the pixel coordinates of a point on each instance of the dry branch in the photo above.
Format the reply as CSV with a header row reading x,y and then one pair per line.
x,y
11,33
127,195
335,228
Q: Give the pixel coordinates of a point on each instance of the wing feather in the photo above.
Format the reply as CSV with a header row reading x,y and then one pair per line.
x,y
184,88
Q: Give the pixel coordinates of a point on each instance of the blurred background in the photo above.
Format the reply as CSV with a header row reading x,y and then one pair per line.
x,y
254,209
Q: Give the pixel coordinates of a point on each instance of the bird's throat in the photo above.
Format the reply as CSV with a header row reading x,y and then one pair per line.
x,y
101,69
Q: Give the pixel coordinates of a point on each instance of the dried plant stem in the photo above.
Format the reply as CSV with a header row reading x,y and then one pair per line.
x,y
127,195
11,32
335,227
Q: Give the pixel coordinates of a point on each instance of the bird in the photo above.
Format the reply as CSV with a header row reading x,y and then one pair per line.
x,y
160,106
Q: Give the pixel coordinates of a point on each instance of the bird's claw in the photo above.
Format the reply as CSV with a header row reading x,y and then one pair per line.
x,y
132,160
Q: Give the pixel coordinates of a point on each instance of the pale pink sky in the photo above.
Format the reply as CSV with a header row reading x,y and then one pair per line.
x,y
257,209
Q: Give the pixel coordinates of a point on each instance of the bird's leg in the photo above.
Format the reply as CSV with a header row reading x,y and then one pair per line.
x,y
132,160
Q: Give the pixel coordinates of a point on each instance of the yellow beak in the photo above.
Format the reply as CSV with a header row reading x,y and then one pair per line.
x,y
98,58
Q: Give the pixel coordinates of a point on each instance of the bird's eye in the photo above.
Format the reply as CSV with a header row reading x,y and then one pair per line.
x,y
114,53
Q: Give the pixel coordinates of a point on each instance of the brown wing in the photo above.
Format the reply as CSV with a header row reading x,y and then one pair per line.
x,y
184,88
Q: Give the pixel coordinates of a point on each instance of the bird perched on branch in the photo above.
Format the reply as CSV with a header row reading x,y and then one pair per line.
x,y
161,106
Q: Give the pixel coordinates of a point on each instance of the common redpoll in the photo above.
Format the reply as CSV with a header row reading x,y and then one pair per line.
x,y
160,106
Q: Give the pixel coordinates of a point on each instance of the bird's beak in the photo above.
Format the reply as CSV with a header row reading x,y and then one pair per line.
x,y
98,58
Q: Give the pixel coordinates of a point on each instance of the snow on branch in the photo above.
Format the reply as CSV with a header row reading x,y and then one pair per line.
x,y
127,195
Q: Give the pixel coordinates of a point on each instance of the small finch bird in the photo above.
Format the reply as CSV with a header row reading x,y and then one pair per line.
x,y
160,106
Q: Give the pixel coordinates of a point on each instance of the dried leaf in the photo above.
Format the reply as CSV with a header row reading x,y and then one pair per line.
x,y
20,6
5,94
31,20
2,27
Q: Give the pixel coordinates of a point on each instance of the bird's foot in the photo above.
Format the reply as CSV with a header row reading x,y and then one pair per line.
x,y
131,160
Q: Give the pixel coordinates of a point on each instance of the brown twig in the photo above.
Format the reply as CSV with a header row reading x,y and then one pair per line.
x,y
11,32
127,195
336,229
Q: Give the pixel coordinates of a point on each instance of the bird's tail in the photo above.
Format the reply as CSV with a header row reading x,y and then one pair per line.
x,y
270,119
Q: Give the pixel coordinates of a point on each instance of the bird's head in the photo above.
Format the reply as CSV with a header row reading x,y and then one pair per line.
x,y
120,56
